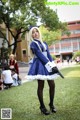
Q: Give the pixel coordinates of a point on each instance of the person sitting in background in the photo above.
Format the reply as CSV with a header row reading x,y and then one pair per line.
x,y
15,77
13,63
6,77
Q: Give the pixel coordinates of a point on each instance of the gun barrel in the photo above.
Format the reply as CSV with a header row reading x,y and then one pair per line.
x,y
60,74
56,70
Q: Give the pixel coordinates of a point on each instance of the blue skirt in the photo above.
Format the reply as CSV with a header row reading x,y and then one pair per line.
x,y
38,71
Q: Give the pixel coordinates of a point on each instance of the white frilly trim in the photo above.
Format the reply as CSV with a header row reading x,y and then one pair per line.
x,y
40,77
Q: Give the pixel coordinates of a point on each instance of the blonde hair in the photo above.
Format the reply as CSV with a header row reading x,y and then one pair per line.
x,y
12,56
40,36
30,33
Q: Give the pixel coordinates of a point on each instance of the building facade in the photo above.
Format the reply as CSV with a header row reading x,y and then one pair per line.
x,y
68,45
22,51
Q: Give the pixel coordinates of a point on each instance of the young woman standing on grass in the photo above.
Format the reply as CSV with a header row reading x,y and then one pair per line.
x,y
42,69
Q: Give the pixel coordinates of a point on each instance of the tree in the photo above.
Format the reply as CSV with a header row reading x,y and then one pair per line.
x,y
51,21
76,54
50,36
19,17
52,29
25,13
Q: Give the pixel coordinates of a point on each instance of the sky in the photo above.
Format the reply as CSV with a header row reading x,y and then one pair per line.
x,y
67,13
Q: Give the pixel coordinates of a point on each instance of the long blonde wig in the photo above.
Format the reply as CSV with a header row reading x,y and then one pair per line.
x,y
31,39
40,36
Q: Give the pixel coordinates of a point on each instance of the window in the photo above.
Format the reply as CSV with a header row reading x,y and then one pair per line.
x,y
24,53
75,31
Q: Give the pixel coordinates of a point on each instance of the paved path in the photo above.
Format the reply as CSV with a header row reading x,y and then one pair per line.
x,y
23,71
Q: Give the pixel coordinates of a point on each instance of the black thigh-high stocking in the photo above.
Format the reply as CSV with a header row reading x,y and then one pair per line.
x,y
40,92
51,84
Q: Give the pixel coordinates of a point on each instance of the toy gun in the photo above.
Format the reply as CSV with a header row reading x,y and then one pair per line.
x,y
55,70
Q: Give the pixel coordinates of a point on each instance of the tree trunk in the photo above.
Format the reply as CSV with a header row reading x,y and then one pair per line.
x,y
14,48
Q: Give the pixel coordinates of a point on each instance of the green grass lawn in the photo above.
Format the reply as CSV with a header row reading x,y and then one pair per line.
x,y
25,106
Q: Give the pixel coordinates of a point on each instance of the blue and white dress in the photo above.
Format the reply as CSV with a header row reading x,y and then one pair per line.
x,y
40,68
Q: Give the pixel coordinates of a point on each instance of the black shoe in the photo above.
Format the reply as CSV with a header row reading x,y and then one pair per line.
x,y
52,109
44,111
